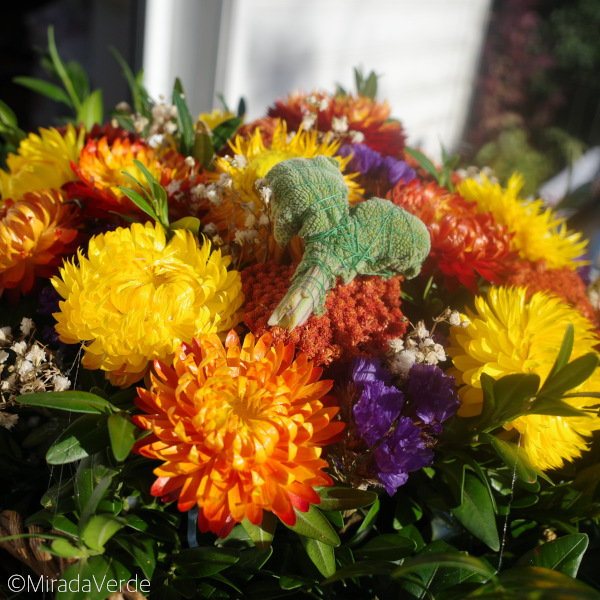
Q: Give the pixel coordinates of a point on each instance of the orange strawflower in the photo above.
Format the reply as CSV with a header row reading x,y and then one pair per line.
x,y
35,233
353,119
239,429
465,244
101,167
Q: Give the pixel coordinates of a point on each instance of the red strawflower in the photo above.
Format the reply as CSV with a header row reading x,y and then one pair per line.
x,y
464,244
359,317
564,283
368,121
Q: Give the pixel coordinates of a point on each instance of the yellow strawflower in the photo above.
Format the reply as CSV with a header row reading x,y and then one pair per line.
x,y
43,162
137,296
508,334
538,233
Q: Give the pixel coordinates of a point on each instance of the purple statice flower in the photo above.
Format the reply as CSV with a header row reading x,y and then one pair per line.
x,y
398,170
49,299
403,451
369,370
432,395
364,160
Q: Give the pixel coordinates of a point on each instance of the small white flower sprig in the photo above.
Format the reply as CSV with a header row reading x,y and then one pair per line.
x,y
419,345
26,367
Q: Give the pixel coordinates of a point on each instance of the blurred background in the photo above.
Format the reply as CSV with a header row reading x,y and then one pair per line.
x,y
509,83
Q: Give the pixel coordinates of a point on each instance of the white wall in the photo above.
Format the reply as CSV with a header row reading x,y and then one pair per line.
x,y
425,51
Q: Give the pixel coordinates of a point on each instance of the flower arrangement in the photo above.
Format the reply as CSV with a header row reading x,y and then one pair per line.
x,y
289,358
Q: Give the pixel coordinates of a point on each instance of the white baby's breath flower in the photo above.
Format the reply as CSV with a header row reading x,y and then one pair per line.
x,y
36,355
396,344
250,220
5,334
324,104
155,140
173,187
19,348
8,420
358,137
421,330
26,325
264,220
402,362
308,121
60,383
3,356
24,367
454,318
339,124
239,161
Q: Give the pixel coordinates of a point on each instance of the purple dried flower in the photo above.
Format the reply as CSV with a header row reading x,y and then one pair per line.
x,y
364,159
369,370
403,451
397,170
433,395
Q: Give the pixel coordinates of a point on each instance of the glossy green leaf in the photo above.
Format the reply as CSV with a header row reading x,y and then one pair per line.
x,y
513,394
203,150
476,512
85,436
62,547
563,554
251,561
570,376
387,546
429,564
261,535
423,162
142,549
186,123
121,432
454,475
139,201
44,88
91,111
158,194
535,583
90,472
322,555
190,223
361,568
99,529
314,525
94,500
224,131
93,578
79,79
204,561
562,359
75,401
8,116
138,92
514,458
344,498
61,70
154,523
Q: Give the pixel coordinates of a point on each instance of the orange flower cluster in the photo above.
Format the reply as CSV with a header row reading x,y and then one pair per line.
x,y
101,168
239,430
359,317
464,244
35,233
360,118
565,283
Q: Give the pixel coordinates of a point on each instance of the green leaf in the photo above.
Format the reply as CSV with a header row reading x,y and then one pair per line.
x,y
564,353
314,525
387,546
85,436
45,88
186,123
363,567
424,162
344,498
204,561
79,78
514,457
369,88
7,116
190,223
91,110
203,150
322,555
94,500
62,547
534,583
570,376
261,535
75,401
224,131
61,70
142,549
563,554
251,561
513,393
90,472
99,529
121,432
138,92
93,578
441,570
140,202
476,512
454,474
